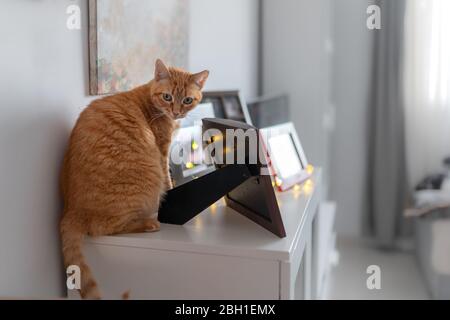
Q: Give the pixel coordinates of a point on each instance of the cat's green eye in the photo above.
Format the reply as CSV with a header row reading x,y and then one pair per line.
x,y
188,100
167,97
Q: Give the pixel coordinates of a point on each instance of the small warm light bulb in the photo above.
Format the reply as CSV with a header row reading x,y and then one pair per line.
x,y
189,165
194,145
198,222
216,138
278,182
227,150
213,208
297,191
308,187
309,168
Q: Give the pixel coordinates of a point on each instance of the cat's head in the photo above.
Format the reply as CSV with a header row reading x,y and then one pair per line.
x,y
176,92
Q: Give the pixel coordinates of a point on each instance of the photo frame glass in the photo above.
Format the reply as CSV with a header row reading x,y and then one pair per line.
x,y
288,163
187,140
269,111
187,147
285,155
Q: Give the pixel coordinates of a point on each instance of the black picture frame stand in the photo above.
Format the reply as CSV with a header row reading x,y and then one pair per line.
x,y
183,203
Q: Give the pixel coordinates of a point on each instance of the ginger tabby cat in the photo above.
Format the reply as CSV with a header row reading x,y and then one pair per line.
x,y
115,170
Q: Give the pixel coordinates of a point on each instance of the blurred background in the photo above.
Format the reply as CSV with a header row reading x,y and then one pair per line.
x,y
368,90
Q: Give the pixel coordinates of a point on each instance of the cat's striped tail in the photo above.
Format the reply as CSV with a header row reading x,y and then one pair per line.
x,y
72,242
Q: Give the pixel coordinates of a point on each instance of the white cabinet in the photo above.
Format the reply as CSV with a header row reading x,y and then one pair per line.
x,y
324,243
220,254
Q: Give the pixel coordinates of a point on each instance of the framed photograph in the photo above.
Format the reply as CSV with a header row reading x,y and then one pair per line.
x,y
228,105
287,160
268,111
187,141
187,147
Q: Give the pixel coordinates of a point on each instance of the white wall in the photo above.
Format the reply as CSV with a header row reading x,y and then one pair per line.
x,y
321,50
224,38
351,95
43,87
297,60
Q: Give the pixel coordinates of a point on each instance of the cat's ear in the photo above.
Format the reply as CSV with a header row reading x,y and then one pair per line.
x,y
161,71
200,78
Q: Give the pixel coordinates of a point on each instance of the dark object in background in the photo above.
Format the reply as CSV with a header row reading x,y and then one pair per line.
x,y
269,111
261,112
447,162
434,181
431,182
227,105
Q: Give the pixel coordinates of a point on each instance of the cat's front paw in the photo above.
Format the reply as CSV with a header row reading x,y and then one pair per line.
x,y
152,225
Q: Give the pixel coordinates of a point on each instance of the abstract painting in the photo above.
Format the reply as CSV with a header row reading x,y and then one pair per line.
x,y
127,36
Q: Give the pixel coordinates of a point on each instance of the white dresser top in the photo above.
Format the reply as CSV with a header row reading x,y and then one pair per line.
x,y
222,231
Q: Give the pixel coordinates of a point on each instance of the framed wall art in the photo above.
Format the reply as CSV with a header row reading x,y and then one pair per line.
x,y
126,37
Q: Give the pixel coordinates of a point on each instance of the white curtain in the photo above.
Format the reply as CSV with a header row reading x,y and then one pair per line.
x,y
426,72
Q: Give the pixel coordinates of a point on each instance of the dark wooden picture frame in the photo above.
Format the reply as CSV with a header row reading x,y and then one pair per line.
x,y
228,104
267,111
255,198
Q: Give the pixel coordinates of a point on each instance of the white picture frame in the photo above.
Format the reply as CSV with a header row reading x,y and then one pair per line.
x,y
287,160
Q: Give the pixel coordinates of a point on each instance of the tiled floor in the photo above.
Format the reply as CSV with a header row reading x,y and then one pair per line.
x,y
400,277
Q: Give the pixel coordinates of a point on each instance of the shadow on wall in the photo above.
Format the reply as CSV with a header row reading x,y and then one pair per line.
x,y
32,148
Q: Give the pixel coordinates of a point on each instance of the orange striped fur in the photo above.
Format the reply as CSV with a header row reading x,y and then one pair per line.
x,y
115,170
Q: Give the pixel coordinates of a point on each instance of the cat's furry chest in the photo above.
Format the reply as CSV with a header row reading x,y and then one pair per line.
x,y
163,131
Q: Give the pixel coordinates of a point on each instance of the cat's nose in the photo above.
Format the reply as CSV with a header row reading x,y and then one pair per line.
x,y
177,115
